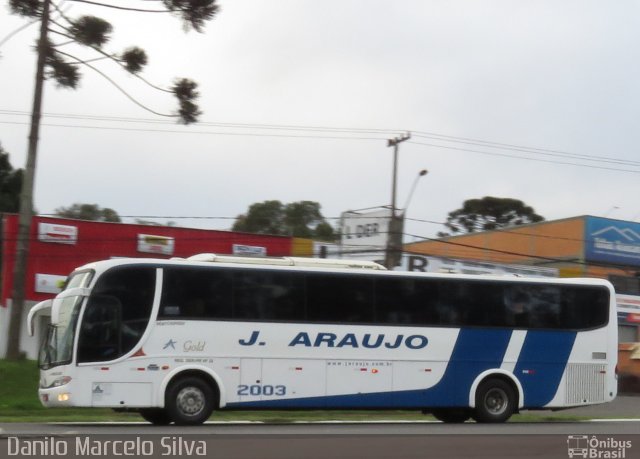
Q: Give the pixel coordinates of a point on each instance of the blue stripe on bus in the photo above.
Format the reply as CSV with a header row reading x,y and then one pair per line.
x,y
475,351
541,364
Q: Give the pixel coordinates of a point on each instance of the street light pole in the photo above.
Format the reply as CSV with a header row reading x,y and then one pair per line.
x,y
422,173
394,238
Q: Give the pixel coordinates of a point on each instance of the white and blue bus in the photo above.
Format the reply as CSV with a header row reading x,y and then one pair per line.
x,y
177,339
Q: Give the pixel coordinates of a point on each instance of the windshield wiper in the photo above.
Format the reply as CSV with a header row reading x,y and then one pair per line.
x,y
47,347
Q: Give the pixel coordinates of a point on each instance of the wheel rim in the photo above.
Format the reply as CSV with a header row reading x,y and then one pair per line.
x,y
191,401
496,401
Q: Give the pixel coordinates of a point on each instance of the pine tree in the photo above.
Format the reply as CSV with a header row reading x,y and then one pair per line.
x,y
53,63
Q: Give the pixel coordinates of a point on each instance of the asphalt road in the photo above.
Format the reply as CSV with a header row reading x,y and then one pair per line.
x,y
624,406
322,441
629,427
610,439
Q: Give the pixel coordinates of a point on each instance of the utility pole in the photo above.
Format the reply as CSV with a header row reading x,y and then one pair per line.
x,y
26,194
396,222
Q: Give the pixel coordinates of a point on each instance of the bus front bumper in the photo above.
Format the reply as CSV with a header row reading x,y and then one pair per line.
x,y
56,396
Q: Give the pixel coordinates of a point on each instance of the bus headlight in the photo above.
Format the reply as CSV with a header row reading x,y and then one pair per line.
x,y
58,382
64,397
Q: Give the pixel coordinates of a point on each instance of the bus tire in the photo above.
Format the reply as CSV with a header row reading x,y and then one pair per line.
x,y
495,401
156,416
452,415
190,401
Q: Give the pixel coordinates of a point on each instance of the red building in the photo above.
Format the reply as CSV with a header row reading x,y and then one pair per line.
x,y
57,246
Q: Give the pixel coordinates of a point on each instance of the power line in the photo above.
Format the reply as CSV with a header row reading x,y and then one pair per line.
x,y
319,132
260,126
505,155
106,5
191,131
507,146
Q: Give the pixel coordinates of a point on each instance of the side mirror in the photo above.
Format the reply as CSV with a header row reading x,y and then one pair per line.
x,y
47,304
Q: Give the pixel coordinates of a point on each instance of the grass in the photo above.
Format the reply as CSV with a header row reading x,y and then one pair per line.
x,y
19,403
19,398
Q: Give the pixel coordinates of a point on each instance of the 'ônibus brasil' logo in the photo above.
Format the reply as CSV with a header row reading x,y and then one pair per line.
x,y
346,340
597,448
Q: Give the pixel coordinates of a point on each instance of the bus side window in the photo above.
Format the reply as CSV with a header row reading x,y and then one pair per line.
x,y
545,312
534,307
448,305
517,304
339,298
407,301
584,307
268,295
196,293
483,304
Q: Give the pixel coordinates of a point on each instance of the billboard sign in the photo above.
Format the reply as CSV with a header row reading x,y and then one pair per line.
x,y
365,230
612,241
628,309
49,283
249,250
426,264
160,245
58,234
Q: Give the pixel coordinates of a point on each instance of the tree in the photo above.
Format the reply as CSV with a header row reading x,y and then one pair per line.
x,y
10,184
302,218
94,32
88,212
262,218
298,219
489,213
325,232
61,66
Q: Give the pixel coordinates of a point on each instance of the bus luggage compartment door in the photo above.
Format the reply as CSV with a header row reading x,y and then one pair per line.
x,y
115,394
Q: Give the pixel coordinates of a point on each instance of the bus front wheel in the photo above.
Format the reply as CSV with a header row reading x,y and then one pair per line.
x,y
190,401
495,401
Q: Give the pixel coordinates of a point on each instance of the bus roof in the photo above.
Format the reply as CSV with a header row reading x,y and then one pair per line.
x,y
210,258
287,261
335,265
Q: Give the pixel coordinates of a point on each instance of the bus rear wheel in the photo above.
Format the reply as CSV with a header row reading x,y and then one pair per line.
x,y
452,415
156,416
495,401
189,401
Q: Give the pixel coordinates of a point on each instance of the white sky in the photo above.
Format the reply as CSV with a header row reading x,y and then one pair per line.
x,y
553,75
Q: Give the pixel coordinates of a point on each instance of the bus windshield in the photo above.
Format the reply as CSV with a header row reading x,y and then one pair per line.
x,y
79,279
57,348
117,313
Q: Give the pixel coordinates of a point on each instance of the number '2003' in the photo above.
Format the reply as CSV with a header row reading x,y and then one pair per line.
x,y
257,390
